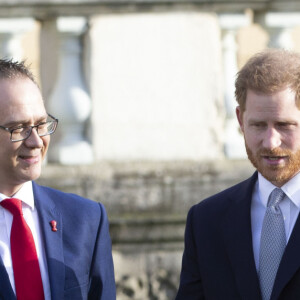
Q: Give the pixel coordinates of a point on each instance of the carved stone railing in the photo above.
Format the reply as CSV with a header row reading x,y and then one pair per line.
x,y
70,101
70,94
230,24
147,202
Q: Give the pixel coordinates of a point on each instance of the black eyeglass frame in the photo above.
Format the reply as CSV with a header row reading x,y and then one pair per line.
x,y
11,130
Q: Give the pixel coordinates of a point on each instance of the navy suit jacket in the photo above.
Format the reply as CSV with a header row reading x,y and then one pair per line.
x,y
79,258
218,261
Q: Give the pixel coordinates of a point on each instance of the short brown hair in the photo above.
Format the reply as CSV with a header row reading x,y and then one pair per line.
x,y
268,72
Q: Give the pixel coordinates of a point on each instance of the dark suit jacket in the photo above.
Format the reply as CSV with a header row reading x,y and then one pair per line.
x,y
78,255
218,261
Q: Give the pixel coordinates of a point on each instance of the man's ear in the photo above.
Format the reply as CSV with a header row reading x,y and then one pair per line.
x,y
239,115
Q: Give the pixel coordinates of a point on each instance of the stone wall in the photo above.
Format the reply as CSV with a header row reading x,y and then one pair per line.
x,y
147,204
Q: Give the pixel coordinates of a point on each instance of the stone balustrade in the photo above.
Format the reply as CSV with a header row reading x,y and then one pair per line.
x,y
94,127
147,205
144,91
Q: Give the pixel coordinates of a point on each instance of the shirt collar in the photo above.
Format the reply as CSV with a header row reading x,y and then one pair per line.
x,y
25,194
291,189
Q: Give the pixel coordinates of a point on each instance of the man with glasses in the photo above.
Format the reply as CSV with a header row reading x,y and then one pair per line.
x,y
52,245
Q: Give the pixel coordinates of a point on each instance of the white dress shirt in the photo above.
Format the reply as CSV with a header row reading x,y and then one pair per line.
x,y
31,216
290,207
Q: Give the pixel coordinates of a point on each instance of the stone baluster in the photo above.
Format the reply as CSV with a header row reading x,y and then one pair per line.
x,y
11,31
70,101
278,26
230,23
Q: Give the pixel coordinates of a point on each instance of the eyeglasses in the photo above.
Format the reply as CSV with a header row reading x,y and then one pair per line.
x,y
22,133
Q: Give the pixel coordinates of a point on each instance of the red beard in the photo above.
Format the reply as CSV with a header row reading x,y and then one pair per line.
x,y
277,174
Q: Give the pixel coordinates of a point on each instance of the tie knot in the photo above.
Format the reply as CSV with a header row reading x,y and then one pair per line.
x,y
276,196
13,205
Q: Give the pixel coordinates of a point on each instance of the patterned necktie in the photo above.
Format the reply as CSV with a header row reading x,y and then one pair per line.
x,y
26,268
272,243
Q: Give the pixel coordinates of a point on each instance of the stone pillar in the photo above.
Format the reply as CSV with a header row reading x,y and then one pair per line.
x,y
230,23
278,26
70,101
11,31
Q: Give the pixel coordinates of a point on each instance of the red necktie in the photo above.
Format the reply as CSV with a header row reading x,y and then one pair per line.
x,y
26,268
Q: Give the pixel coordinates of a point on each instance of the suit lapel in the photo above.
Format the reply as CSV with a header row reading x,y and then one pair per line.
x,y
238,240
6,291
290,262
52,240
